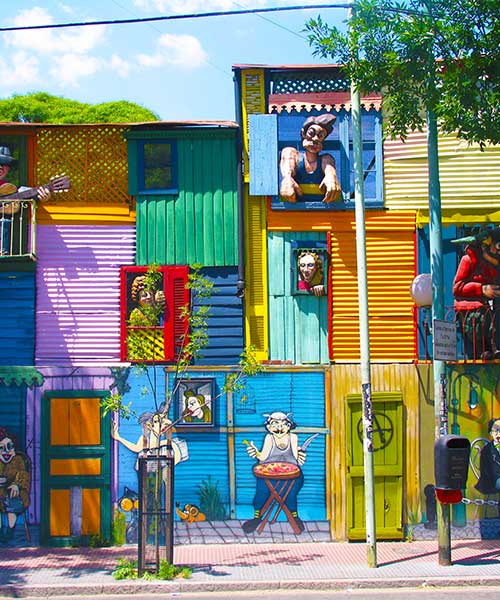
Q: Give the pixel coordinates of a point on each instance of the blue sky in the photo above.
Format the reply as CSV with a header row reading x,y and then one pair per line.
x,y
179,69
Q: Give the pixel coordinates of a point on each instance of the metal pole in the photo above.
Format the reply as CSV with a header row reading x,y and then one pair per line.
x,y
436,252
364,337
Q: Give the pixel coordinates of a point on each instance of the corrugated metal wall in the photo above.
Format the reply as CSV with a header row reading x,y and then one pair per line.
x,y
346,379
200,224
220,453
78,292
303,395
253,101
390,257
470,179
298,324
17,305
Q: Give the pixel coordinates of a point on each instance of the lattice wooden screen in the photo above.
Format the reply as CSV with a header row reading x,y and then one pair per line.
x,y
94,157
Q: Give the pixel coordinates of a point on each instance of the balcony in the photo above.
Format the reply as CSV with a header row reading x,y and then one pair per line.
x,y
477,333
17,230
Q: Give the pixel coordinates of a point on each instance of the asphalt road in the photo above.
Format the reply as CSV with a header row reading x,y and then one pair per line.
x,y
464,593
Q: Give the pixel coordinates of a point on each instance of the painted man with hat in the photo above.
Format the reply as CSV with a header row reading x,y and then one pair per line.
x,y
310,166
10,208
475,288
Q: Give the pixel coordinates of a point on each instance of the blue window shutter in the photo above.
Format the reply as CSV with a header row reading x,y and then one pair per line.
x,y
263,154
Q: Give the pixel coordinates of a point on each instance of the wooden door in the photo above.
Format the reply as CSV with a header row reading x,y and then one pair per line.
x,y
75,469
388,466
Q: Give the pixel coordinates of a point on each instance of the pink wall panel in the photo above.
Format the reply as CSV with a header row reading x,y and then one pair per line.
x,y
78,292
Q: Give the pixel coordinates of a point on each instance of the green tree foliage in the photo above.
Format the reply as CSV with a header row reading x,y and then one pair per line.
x,y
439,55
40,107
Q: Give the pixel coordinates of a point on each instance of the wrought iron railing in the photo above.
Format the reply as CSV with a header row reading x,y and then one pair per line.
x,y
17,228
478,333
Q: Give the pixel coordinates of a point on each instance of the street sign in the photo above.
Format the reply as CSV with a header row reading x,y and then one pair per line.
x,y
445,340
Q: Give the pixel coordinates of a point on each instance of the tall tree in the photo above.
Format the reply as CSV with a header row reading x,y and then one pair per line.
x,y
438,55
40,107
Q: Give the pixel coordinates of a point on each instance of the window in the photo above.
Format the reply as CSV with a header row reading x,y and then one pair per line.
x,y
153,166
152,329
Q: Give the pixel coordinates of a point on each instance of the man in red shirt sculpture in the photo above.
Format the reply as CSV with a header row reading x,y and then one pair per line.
x,y
475,288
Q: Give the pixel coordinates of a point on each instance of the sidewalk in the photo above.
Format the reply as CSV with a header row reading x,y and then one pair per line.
x,y
230,567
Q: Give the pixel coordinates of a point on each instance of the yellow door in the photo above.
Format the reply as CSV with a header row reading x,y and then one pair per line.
x,y
388,466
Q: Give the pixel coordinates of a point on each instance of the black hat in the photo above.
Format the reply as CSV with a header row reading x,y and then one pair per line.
x,y
6,157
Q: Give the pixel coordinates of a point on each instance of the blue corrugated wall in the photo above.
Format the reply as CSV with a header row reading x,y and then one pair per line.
x,y
225,320
299,393
17,307
13,413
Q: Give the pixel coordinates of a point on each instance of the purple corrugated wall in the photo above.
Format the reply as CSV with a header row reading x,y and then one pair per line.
x,y
78,292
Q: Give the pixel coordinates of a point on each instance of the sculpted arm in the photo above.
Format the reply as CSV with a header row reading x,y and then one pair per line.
x,y
330,183
288,168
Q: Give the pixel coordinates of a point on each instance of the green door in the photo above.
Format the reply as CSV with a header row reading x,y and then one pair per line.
x,y
387,461
75,469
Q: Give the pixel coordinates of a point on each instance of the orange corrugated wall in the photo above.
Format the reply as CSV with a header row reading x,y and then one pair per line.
x,y
390,256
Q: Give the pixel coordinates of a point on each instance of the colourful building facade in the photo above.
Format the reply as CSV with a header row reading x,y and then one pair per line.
x,y
179,195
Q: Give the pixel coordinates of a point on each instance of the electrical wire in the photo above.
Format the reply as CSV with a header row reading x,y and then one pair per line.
x,y
248,11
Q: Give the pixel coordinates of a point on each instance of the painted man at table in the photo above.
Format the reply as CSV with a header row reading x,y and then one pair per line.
x,y
309,166
279,446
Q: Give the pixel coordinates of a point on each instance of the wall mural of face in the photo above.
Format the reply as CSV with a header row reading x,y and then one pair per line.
x,y
7,450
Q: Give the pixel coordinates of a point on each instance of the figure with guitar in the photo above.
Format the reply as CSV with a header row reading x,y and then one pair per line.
x,y
9,194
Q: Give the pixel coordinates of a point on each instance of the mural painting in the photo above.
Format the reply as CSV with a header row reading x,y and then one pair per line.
x,y
489,462
153,440
278,473
194,399
475,288
129,505
310,166
15,482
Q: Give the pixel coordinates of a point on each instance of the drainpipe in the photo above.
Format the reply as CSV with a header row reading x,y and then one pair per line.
x,y
240,286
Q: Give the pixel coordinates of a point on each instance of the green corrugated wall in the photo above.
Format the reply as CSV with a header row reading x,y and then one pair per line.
x,y
200,223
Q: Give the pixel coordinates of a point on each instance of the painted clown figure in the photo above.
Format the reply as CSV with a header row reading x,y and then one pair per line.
x,y
15,481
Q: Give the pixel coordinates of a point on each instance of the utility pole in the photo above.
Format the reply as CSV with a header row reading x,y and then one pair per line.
x,y
364,336
439,367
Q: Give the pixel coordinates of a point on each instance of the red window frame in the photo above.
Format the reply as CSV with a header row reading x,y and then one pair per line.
x,y
177,295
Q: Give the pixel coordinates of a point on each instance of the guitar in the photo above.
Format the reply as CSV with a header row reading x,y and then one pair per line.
x,y
59,183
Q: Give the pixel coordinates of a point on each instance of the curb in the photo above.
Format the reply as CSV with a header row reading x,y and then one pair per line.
x,y
136,587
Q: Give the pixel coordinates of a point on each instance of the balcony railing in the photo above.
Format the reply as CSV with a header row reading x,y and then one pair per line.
x,y
17,229
477,333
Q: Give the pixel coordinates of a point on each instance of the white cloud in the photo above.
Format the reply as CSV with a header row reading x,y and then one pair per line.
x,y
23,71
119,66
52,41
176,50
68,69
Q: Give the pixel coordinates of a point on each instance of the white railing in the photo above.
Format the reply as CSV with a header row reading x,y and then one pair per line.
x,y
17,228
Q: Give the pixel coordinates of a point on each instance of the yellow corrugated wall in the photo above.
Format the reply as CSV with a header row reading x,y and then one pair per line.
x,y
346,379
469,178
256,326
390,270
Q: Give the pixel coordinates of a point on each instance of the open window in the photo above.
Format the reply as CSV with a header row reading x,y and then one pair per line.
x,y
153,328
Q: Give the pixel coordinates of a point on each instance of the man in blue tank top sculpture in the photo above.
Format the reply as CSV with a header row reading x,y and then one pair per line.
x,y
309,166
